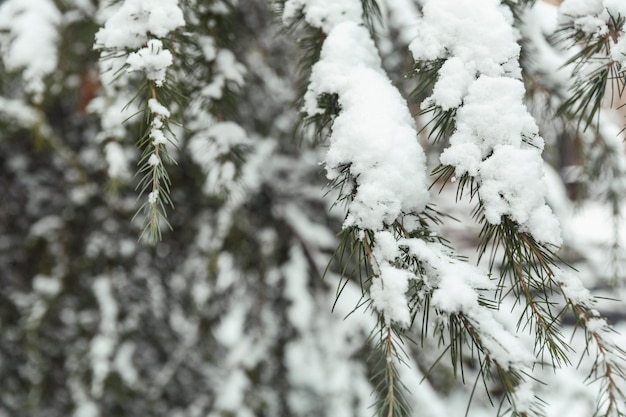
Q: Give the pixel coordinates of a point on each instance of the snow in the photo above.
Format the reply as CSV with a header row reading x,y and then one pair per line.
x,y
596,325
374,131
491,145
208,47
46,285
18,113
212,148
456,28
455,77
618,52
615,7
227,70
591,16
158,108
153,60
154,160
402,16
373,134
523,396
87,409
323,14
103,344
153,197
103,292
31,26
574,290
301,309
388,292
123,363
118,161
157,135
538,24
307,230
131,25
496,140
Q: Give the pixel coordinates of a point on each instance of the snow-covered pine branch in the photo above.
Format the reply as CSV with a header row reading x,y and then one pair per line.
x,y
373,150
228,315
495,140
495,150
595,29
134,36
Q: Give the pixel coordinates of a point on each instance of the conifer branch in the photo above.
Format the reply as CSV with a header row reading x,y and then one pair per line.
x,y
596,67
152,59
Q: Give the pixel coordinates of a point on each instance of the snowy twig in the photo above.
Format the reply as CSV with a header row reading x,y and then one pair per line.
x,y
140,26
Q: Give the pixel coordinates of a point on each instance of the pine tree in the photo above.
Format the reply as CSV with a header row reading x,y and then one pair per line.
x,y
311,207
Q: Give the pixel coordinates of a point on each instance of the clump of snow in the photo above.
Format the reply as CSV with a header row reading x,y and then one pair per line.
x,y
374,132
296,272
591,16
596,325
455,77
574,290
523,397
103,344
18,113
30,41
153,60
496,139
153,197
538,24
118,161
158,108
46,285
323,14
131,26
154,160
456,287
388,292
123,363
478,33
373,135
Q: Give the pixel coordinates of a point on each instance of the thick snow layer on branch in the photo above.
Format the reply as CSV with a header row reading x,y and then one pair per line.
x,y
31,40
478,32
594,18
373,134
153,60
496,140
591,16
373,144
137,20
323,14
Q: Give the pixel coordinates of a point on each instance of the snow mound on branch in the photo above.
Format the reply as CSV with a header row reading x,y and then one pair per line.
x,y
591,16
496,141
323,14
135,20
476,32
374,132
31,40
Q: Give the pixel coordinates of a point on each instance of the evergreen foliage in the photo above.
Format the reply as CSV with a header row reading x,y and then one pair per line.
x,y
249,208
